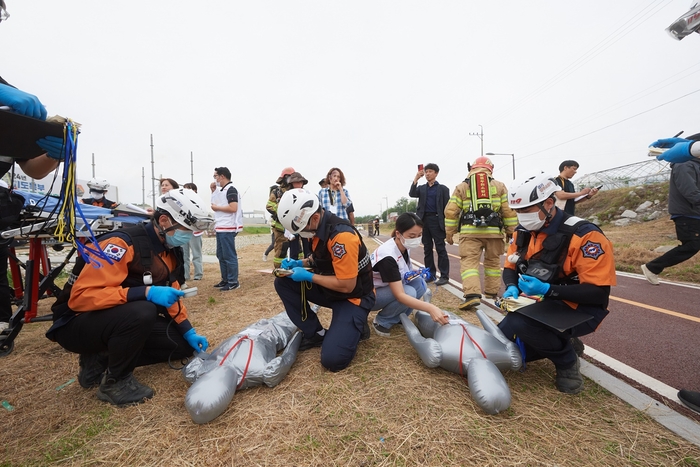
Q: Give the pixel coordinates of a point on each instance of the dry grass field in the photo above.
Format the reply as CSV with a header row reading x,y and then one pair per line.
x,y
386,409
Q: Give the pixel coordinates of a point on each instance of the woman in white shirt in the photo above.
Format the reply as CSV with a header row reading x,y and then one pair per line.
x,y
398,286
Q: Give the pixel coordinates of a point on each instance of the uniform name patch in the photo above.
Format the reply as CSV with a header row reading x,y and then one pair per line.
x,y
114,252
338,250
592,250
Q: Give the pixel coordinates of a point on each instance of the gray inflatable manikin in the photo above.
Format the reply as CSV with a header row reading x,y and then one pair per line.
x,y
247,359
484,354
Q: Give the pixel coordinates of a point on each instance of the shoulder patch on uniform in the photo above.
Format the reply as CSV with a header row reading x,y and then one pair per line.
x,y
592,250
114,252
338,250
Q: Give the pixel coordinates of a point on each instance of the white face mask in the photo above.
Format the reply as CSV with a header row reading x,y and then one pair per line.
x,y
305,234
530,220
411,242
96,195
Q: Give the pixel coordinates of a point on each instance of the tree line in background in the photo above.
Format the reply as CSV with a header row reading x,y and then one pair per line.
x,y
402,205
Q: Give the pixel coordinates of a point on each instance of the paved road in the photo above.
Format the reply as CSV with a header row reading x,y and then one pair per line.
x,y
652,329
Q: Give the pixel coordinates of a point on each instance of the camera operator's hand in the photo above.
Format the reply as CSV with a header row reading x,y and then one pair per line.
x,y
22,102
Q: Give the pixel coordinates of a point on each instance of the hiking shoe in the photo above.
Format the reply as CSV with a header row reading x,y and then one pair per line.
x,y
366,333
470,303
228,287
570,380
651,277
691,399
309,343
442,281
221,284
127,391
491,296
264,257
4,325
578,346
381,330
92,367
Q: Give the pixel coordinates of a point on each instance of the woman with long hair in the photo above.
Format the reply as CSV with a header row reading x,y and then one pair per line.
x,y
398,286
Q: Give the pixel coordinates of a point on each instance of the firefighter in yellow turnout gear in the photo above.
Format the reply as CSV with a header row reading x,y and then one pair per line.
x,y
478,209
281,242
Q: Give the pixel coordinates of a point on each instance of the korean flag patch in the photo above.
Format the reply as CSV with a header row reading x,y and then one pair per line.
x,y
114,252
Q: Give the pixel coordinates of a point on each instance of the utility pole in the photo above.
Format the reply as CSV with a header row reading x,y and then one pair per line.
x,y
481,137
191,167
143,187
387,209
93,165
153,175
504,154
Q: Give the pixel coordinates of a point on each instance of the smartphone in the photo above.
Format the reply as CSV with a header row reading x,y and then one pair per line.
x,y
420,167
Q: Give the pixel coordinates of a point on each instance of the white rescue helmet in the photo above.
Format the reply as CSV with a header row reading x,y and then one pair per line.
x,y
295,208
98,184
533,190
186,208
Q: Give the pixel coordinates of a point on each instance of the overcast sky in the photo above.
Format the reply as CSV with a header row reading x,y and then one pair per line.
x,y
372,87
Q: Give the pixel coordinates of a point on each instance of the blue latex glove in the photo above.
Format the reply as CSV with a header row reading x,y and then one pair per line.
x,y
667,142
53,146
511,292
678,153
22,102
163,296
291,263
301,275
197,342
532,285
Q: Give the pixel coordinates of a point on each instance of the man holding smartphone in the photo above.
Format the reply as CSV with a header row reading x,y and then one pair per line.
x,y
432,199
568,196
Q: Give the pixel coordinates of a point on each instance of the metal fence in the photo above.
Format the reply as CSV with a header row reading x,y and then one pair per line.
x,y
640,173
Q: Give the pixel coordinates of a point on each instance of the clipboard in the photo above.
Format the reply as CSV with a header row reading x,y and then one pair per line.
x,y
554,316
19,133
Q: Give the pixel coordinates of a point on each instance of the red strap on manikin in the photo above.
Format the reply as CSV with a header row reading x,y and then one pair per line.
x,y
247,364
461,349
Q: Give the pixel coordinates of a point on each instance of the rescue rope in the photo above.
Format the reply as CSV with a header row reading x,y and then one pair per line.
x,y
304,302
247,364
68,199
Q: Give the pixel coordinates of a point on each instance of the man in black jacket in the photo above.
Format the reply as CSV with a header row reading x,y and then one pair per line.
x,y
432,199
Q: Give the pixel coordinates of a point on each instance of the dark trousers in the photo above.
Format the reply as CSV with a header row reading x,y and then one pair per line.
x,y
542,341
133,334
5,290
688,233
433,232
298,245
342,336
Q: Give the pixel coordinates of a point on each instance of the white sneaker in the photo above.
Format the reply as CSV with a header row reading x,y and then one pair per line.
x,y
264,257
4,326
651,277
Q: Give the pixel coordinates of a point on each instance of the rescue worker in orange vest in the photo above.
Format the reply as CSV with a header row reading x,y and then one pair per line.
x,y
128,313
565,262
337,275
98,189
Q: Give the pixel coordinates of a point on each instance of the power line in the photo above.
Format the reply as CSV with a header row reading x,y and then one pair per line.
x,y
626,101
611,125
593,52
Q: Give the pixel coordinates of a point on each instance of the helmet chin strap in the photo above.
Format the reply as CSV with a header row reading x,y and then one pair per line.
x,y
547,214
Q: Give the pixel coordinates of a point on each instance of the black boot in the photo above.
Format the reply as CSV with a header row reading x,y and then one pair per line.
x,y
92,367
123,392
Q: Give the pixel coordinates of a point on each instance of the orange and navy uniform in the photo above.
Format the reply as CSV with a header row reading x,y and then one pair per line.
x,y
589,255
100,203
338,250
90,288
